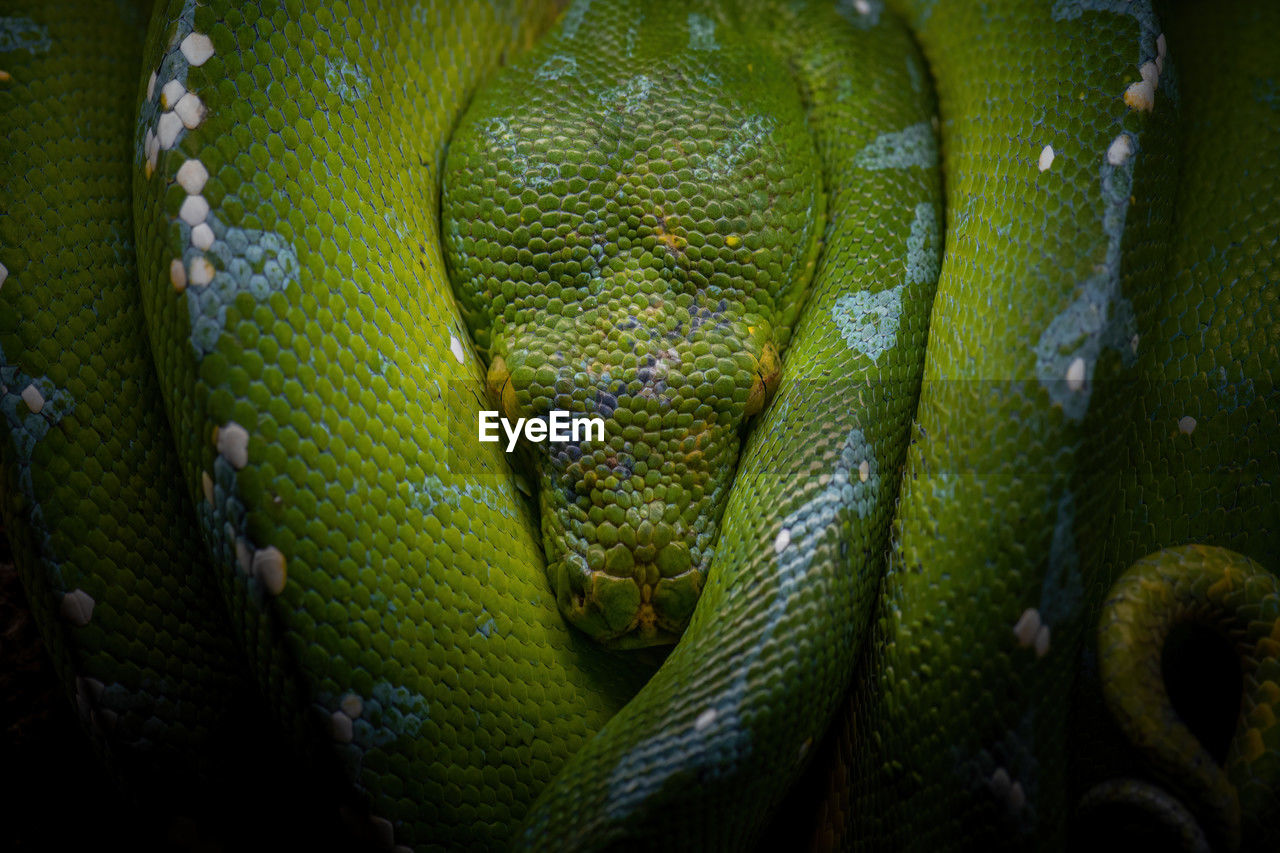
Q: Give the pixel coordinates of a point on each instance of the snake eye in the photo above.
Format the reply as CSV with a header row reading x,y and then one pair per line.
x,y
498,381
768,372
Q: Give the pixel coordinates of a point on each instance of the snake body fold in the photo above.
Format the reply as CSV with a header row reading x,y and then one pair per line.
x,y
260,478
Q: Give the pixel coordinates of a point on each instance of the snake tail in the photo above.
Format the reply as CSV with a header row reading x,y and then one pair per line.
x,y
1238,598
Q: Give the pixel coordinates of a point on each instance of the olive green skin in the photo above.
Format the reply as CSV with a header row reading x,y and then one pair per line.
x,y
1235,798
1207,479
380,571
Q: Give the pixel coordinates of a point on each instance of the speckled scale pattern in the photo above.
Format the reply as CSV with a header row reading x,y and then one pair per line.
x,y
109,553
380,566
958,723
744,698
1204,426
631,219
383,571
1202,423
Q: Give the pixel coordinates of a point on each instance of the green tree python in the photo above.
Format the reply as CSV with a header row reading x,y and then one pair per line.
x,y
924,489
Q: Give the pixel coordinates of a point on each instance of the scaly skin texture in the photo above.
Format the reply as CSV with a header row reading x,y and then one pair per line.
x,y
313,368
384,557
631,218
105,543
956,733
1238,597
736,709
1026,508
1205,411
380,571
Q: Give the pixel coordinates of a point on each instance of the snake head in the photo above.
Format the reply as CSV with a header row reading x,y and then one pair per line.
x,y
634,242
630,515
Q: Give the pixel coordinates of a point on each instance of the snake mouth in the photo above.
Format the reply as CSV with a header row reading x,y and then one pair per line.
x,y
640,609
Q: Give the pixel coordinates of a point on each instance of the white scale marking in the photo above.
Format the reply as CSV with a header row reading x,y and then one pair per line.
x,y
167,130
340,727
233,443
190,110
201,272
1120,150
177,275
1142,95
170,93
1027,626
352,705
705,719
1042,641
77,607
33,398
192,176
1075,374
202,236
269,567
1046,158
197,48
194,210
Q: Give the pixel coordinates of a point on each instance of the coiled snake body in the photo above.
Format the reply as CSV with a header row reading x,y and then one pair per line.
x,y
257,473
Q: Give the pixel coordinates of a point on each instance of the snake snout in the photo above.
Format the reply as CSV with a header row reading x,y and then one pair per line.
x,y
631,582
630,513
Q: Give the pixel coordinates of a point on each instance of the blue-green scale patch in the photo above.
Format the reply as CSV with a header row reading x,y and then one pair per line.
x,y
251,261
23,34
868,321
901,149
